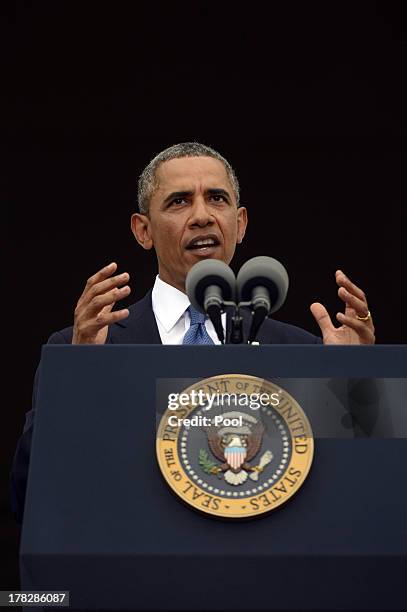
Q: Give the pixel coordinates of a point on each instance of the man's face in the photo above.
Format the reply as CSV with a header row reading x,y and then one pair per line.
x,y
194,202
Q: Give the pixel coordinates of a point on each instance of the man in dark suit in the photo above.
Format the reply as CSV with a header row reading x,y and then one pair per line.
x,y
189,210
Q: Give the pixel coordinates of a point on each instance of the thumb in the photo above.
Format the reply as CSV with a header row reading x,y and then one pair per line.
x,y
322,317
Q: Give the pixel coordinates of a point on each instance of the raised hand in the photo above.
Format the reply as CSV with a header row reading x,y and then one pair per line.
x,y
357,324
93,312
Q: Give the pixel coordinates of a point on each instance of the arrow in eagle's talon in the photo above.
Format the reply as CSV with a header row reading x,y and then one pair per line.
x,y
257,469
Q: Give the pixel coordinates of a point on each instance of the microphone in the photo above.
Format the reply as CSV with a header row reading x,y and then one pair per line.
x,y
209,284
263,283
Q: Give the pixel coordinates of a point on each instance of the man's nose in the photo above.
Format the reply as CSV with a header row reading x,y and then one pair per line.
x,y
200,212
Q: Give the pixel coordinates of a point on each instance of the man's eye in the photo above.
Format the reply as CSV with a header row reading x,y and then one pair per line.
x,y
218,198
178,201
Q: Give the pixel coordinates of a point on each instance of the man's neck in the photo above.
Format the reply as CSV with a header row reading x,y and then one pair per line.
x,y
170,281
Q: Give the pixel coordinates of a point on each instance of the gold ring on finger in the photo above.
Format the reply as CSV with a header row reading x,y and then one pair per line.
x,y
366,318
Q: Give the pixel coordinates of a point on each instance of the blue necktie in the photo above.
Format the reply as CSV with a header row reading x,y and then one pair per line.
x,y
197,334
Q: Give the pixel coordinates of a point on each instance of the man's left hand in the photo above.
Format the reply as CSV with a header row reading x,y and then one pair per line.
x,y
353,330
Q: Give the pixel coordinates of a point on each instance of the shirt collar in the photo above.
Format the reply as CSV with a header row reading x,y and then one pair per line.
x,y
169,303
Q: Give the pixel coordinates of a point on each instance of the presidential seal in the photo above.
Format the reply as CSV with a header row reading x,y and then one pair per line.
x,y
234,446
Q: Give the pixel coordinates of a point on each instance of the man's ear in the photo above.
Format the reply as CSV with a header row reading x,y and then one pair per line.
x,y
141,228
242,221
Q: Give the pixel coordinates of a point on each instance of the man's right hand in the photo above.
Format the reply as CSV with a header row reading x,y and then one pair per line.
x,y
93,312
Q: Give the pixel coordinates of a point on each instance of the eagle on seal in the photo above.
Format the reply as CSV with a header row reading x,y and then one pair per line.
x,y
235,447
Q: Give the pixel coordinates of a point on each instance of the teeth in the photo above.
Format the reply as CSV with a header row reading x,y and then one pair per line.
x,y
204,242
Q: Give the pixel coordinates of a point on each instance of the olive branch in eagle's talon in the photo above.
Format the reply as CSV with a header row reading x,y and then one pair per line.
x,y
208,466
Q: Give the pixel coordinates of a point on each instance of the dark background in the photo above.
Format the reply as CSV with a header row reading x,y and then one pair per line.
x,y
306,100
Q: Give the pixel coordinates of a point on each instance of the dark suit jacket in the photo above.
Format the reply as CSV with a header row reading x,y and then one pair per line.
x,y
140,327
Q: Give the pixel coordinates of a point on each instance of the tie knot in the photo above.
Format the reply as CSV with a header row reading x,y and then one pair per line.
x,y
197,334
196,316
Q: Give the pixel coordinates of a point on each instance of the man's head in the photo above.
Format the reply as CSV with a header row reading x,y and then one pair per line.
x,y
188,193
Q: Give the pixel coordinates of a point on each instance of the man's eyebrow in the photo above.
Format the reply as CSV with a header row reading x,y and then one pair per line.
x,y
183,194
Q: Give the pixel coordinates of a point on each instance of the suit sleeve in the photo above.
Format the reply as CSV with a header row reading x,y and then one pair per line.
x,y
21,462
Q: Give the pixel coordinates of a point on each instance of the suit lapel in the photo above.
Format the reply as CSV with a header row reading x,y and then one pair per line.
x,y
140,327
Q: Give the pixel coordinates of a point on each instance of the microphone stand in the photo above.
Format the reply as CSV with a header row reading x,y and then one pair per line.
x,y
214,306
259,307
236,331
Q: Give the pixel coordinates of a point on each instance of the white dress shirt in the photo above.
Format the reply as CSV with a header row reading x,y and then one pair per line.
x,y
170,311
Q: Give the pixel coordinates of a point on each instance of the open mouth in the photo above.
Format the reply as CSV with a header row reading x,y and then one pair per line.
x,y
203,245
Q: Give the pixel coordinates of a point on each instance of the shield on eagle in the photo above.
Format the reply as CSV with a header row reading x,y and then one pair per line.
x,y
235,453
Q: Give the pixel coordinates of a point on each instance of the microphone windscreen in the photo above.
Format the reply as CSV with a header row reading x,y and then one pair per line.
x,y
265,272
206,273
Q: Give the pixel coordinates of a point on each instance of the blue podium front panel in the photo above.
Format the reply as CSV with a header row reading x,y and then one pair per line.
x,y
101,522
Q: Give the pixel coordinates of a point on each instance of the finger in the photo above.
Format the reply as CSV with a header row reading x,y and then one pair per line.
x,y
102,274
99,276
97,304
108,308
322,317
343,281
351,301
102,319
364,331
103,286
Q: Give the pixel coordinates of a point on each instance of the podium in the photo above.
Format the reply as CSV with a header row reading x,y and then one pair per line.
x,y
101,522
